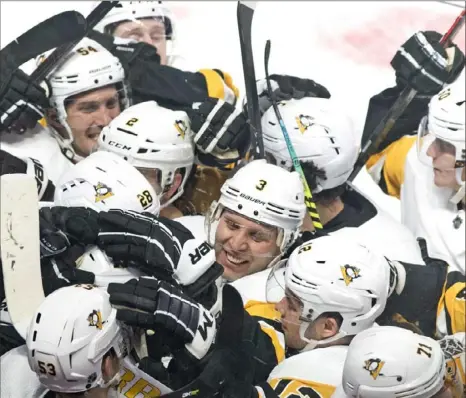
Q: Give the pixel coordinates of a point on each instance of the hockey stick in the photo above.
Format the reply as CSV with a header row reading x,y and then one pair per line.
x,y
20,248
308,199
381,131
48,34
58,56
245,14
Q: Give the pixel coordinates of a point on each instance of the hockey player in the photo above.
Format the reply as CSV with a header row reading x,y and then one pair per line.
x,y
153,23
431,178
256,219
428,176
145,21
391,361
326,144
159,143
86,93
76,343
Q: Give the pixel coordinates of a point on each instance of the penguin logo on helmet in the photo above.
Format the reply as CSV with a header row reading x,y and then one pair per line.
x,y
95,319
304,122
350,273
181,127
374,367
102,192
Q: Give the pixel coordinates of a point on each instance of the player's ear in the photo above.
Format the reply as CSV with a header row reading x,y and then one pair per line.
x,y
110,366
328,327
177,180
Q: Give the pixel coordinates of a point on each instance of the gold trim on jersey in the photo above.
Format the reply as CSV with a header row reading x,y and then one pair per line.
x,y
291,388
393,158
267,311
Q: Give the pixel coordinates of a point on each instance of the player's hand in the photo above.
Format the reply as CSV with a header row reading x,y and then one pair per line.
x,y
288,87
221,132
150,304
158,247
424,65
22,102
79,224
60,270
130,52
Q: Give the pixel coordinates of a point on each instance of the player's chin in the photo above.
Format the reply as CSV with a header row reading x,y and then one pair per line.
x,y
234,267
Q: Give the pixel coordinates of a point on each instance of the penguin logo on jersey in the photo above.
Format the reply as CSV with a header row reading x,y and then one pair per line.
x,y
349,273
102,192
95,319
304,122
374,367
181,127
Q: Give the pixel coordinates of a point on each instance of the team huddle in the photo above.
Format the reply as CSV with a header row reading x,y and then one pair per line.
x,y
176,263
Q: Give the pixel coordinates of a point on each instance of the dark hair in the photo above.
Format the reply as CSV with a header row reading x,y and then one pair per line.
x,y
313,174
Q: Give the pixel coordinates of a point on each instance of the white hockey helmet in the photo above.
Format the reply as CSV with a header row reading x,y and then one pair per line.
x,y
126,11
264,193
335,274
97,262
151,137
70,334
444,127
319,131
89,66
390,362
105,181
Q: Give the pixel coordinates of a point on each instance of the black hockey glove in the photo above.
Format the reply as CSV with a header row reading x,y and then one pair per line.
x,y
221,132
10,164
60,270
150,304
129,51
158,247
22,102
79,224
230,369
288,87
424,65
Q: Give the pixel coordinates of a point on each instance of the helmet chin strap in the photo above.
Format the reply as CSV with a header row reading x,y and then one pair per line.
x,y
459,195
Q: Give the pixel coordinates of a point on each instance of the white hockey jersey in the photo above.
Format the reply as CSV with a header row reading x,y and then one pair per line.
x,y
19,381
39,144
384,235
427,211
195,224
314,373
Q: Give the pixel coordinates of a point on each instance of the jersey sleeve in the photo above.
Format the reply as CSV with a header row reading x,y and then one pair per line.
x,y
294,388
451,312
269,321
387,167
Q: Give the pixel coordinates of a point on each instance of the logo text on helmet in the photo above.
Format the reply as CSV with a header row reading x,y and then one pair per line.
x,y
250,198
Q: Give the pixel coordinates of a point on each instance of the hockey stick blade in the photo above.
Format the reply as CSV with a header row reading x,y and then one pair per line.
x,y
308,199
20,248
381,131
245,14
53,32
54,60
